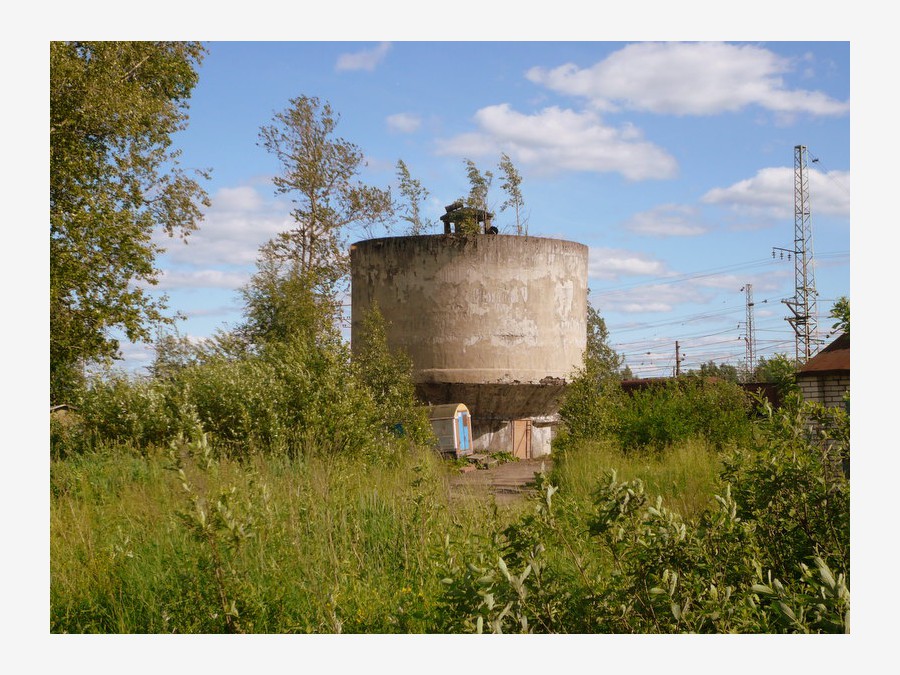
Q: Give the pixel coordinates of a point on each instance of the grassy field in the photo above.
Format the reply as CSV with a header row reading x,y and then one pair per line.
x,y
298,545
308,545
184,542
704,529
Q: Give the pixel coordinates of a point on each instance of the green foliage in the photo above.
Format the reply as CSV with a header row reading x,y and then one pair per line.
x,y
685,475
139,412
591,406
661,415
593,396
599,356
512,186
789,482
219,521
768,554
388,378
284,301
414,194
841,312
344,544
279,545
296,395
722,371
781,371
479,186
319,172
658,415
114,181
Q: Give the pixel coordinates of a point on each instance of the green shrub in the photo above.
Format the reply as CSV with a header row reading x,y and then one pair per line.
x,y
768,554
786,484
657,416
387,376
591,407
681,409
289,397
139,411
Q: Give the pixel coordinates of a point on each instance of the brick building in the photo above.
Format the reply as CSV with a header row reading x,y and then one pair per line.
x,y
826,377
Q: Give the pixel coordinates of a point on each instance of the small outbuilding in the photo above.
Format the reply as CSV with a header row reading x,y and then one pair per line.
x,y
825,378
452,425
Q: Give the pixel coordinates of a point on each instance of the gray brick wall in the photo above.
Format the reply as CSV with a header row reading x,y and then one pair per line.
x,y
828,389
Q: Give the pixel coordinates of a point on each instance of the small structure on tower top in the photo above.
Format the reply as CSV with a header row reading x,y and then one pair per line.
x,y
467,219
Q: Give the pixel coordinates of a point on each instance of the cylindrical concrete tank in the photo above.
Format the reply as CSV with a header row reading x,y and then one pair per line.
x,y
495,321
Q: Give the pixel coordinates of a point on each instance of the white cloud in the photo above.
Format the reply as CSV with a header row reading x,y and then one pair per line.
x,y
207,278
221,310
236,225
770,194
667,220
135,354
243,198
367,59
653,298
561,140
688,79
610,263
404,123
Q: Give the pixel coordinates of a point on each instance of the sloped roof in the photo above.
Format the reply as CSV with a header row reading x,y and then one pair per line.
x,y
834,358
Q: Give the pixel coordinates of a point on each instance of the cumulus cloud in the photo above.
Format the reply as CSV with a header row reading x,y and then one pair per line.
x,y
556,139
404,123
136,354
689,79
770,194
367,59
207,278
610,263
654,298
235,226
667,220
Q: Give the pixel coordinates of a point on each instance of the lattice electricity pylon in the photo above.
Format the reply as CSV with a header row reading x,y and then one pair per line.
x,y
750,337
803,305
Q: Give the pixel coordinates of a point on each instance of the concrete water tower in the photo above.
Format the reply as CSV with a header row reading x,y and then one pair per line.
x,y
496,322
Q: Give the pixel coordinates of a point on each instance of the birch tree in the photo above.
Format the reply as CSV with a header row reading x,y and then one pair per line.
x,y
319,172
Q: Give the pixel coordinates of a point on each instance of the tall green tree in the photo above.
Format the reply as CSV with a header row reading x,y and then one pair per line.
x,y
479,186
512,182
723,371
319,172
780,370
414,195
283,301
114,180
841,312
593,394
599,357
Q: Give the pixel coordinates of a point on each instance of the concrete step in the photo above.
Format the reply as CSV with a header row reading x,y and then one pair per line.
x,y
483,461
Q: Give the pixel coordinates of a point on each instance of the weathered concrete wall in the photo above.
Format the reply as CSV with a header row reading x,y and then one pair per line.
x,y
496,322
496,435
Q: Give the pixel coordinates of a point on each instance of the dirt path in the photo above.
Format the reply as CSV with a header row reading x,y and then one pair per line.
x,y
507,483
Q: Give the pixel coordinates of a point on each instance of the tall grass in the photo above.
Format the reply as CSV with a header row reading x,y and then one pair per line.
x,y
685,475
191,541
314,544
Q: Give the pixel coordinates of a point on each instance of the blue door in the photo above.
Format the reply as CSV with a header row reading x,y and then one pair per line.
x,y
462,421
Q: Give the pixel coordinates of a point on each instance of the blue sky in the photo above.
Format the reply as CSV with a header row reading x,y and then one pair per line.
x,y
672,161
